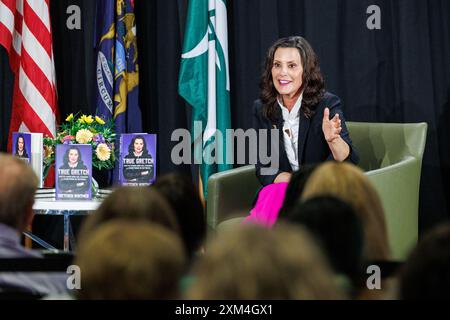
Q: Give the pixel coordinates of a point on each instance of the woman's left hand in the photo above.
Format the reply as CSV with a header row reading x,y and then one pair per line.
x,y
331,128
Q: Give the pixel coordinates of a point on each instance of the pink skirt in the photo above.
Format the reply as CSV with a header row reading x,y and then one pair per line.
x,y
269,202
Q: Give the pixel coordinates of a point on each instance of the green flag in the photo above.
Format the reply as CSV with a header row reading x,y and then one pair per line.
x,y
204,81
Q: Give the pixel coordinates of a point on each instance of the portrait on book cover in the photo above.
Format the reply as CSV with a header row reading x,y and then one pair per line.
x,y
22,146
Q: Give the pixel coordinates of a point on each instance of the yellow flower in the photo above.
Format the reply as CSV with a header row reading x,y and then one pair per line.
x,y
48,151
103,152
88,119
99,120
69,117
84,136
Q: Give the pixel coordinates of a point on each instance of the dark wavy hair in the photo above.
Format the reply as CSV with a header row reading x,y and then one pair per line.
x,y
66,156
131,146
182,195
25,153
312,82
295,188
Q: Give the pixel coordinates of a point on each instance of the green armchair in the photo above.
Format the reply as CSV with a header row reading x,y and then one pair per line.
x,y
390,154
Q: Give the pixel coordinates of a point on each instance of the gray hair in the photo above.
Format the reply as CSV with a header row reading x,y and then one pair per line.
x,y
18,185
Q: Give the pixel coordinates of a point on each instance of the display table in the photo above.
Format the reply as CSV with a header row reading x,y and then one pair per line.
x,y
45,203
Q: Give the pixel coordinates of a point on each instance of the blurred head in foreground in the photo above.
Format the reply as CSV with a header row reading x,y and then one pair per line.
x,y
250,262
182,195
338,231
349,183
426,274
130,260
18,185
140,204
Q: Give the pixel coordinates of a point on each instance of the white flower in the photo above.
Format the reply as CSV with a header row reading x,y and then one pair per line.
x,y
84,136
103,152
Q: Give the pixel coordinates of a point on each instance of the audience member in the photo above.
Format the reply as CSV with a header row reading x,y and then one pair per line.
x,y
18,185
338,230
124,259
251,262
183,196
135,204
349,183
426,273
295,187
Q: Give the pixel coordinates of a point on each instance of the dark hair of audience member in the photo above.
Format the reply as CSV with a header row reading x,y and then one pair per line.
x,y
338,230
125,259
426,273
295,188
183,196
251,262
132,203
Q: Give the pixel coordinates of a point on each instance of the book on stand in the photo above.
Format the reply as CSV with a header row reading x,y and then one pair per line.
x,y
73,170
137,161
29,147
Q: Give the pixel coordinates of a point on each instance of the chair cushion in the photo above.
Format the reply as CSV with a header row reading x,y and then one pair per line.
x,y
230,223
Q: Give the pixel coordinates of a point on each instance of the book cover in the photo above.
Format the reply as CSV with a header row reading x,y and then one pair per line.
x,y
137,161
30,148
73,171
21,147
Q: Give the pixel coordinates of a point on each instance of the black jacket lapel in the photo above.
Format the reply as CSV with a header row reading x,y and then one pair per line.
x,y
284,161
302,135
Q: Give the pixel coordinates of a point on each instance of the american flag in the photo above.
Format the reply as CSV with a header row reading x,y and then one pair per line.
x,y
25,32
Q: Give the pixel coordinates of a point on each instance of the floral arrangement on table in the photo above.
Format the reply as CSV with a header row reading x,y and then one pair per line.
x,y
84,130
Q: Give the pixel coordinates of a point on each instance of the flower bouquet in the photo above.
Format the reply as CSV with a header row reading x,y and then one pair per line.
x,y
84,130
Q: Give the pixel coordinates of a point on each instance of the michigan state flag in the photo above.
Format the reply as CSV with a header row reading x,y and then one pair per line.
x,y
117,70
204,81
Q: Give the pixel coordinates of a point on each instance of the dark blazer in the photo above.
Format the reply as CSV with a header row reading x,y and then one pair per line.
x,y
66,184
134,172
312,146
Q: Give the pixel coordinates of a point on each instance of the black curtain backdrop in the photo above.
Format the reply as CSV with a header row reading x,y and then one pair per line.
x,y
400,73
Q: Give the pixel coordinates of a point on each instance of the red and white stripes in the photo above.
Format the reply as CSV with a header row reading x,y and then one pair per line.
x,y
25,32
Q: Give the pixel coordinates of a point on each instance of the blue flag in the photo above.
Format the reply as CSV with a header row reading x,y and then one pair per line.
x,y
117,70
